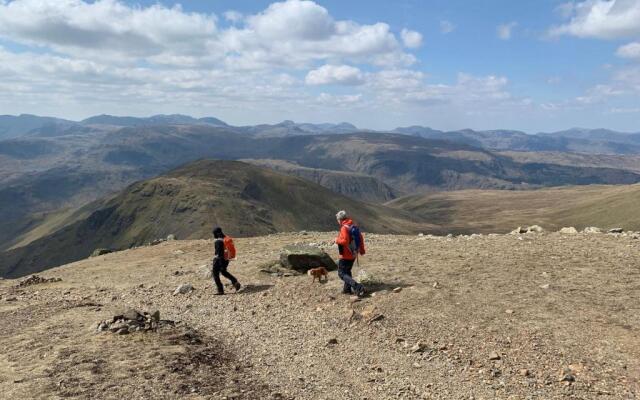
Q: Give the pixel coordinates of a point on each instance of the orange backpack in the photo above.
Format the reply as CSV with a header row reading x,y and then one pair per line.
x,y
229,248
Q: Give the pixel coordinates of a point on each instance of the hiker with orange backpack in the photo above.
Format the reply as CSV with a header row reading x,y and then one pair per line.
x,y
224,252
350,245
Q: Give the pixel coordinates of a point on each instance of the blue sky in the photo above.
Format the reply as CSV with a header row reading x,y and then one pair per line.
x,y
530,65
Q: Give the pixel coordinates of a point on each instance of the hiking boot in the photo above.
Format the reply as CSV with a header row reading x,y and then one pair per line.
x,y
237,286
218,294
360,292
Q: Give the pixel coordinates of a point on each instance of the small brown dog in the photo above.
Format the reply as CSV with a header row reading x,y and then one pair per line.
x,y
318,273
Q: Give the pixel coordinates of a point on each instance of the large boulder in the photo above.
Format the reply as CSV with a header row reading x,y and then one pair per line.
x,y
302,258
99,252
569,230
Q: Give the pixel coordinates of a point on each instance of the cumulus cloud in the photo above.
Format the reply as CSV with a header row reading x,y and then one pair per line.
x,y
631,50
603,19
446,26
105,27
335,74
504,31
411,39
293,32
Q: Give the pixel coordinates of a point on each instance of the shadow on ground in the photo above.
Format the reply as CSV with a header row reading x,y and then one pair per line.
x,y
256,288
380,286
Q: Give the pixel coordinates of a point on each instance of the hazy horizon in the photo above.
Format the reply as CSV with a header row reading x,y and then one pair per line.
x,y
371,128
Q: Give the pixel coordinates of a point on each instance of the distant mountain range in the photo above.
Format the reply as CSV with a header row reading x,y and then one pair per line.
x,y
593,141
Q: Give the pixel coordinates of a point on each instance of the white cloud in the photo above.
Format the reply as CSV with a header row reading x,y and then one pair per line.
x,y
304,20
504,31
233,16
339,100
446,26
604,19
293,33
406,86
631,50
335,74
411,39
599,93
105,28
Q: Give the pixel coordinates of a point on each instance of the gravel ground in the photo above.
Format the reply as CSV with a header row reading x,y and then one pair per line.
x,y
539,316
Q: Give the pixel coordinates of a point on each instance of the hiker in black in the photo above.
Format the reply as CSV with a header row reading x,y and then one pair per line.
x,y
220,263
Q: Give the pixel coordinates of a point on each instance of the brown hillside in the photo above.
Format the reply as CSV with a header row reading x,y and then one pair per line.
x,y
189,201
477,211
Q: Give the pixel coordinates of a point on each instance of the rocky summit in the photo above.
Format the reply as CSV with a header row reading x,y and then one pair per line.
x,y
545,315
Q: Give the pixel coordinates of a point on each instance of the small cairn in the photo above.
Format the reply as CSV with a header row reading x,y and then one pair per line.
x,y
132,321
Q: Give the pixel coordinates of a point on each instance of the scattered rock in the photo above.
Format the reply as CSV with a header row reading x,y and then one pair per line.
x,y
301,258
183,289
568,378
509,311
377,317
535,229
206,271
36,280
436,285
569,231
332,341
12,298
131,314
592,229
419,348
397,290
494,356
545,286
519,230
524,372
99,252
171,237
616,230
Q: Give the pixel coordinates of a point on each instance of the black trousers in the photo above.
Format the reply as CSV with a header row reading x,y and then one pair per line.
x,y
344,273
220,268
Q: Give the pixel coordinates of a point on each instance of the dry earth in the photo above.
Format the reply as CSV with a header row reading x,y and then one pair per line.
x,y
478,317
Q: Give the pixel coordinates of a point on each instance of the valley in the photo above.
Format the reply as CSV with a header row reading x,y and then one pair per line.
x,y
81,186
